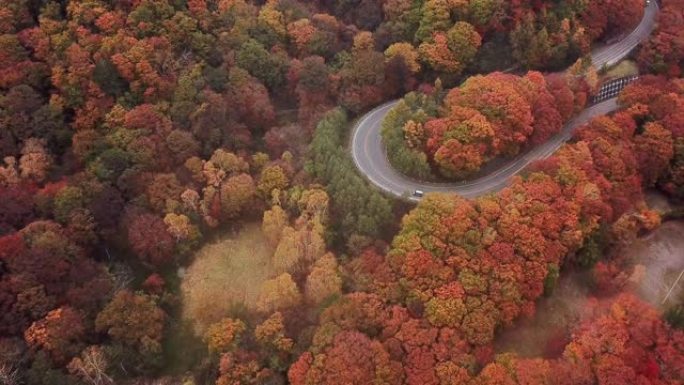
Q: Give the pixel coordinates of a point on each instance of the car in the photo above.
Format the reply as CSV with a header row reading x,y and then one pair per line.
x,y
418,193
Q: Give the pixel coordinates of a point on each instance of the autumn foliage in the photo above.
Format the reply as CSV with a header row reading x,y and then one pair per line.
x,y
460,270
133,131
486,117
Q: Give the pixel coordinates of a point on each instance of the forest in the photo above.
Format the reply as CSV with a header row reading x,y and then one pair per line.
x,y
178,205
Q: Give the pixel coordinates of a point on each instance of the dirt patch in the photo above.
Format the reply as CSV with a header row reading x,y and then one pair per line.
x,y
658,201
225,277
546,334
662,255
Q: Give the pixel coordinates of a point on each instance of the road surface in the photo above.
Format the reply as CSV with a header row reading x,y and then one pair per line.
x,y
368,151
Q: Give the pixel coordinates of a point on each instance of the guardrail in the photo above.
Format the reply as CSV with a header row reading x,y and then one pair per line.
x,y
612,88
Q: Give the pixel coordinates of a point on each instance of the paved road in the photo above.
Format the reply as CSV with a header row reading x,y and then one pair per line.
x,y
368,151
610,55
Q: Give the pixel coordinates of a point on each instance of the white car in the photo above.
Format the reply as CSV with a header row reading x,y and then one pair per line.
x,y
418,193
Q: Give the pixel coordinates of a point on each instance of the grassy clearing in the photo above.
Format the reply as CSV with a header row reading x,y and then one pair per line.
x,y
624,68
225,277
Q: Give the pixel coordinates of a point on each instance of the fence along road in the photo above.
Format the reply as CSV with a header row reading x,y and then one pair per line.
x,y
370,157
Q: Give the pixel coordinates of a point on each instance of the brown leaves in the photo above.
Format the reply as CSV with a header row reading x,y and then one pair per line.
x,y
134,320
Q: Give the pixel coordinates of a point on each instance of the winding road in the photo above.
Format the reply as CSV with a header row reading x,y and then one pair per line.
x,y
370,157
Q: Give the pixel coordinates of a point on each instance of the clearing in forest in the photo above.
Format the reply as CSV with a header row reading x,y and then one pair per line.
x,y
624,68
226,276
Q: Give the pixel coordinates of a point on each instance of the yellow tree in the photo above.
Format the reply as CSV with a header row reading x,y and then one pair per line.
x,y
277,294
297,248
272,177
180,227
274,222
324,280
35,160
407,52
272,18
271,333
236,194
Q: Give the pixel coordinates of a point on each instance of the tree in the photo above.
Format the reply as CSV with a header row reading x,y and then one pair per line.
x,y
277,294
251,103
510,116
150,239
406,52
261,64
107,77
35,160
654,149
66,201
164,190
148,118
298,248
485,13
271,333
182,145
351,358
241,368
324,280
16,206
435,18
180,227
403,133
133,320
91,366
452,51
601,18
274,222
456,160
224,336
272,177
236,194
60,333
662,54
362,209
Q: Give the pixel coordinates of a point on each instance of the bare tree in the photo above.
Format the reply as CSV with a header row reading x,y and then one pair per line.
x,y
9,375
91,366
122,277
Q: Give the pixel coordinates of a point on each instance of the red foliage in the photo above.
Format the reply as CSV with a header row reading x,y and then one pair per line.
x,y
150,240
498,114
663,53
145,117
351,358
154,284
16,206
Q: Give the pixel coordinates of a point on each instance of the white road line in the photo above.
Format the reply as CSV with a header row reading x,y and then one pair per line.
x,y
382,175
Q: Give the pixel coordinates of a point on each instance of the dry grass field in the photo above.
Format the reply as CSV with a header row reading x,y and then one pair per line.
x,y
624,68
226,276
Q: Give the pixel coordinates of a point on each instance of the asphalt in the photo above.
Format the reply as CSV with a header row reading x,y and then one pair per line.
x,y
370,157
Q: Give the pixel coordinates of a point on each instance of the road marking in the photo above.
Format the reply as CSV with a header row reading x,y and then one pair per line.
x,y
604,102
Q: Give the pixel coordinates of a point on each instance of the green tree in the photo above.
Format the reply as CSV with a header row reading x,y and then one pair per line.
x,y
360,209
409,161
435,18
108,78
261,64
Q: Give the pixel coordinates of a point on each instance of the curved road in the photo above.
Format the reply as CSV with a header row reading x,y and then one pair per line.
x,y
369,155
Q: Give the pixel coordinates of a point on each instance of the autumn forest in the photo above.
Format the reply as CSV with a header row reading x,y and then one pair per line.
x,y
179,204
